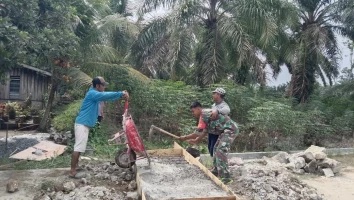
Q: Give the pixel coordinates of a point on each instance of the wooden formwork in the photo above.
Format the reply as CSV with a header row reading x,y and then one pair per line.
x,y
178,151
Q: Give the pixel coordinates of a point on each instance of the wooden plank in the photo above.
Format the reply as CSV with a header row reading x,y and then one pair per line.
x,y
52,150
165,152
194,161
210,198
138,184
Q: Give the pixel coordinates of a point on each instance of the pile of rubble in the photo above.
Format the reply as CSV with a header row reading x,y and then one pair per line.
x,y
60,138
314,160
100,181
267,179
274,178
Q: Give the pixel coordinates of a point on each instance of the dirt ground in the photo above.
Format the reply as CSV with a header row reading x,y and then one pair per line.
x,y
338,187
30,181
14,133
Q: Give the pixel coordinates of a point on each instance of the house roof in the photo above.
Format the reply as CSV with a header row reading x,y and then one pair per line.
x,y
35,69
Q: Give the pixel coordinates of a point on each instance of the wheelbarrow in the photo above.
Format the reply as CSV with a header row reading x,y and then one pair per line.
x,y
129,136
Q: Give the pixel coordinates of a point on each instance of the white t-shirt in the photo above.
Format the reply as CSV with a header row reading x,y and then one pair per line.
x,y
100,108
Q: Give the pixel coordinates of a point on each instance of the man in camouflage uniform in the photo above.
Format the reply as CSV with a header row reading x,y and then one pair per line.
x,y
221,125
219,107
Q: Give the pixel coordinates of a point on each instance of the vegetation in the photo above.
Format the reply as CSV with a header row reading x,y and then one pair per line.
x,y
170,61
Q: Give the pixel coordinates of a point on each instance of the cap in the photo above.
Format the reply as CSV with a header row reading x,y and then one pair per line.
x,y
99,80
220,91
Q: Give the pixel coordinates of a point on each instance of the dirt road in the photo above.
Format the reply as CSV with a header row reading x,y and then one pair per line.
x,y
335,188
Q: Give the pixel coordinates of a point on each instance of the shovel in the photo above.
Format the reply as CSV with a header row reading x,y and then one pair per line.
x,y
193,151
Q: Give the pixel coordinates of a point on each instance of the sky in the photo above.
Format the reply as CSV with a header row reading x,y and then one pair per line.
x,y
284,75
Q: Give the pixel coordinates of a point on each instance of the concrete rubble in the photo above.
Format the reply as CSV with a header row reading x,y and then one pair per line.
x,y
267,179
12,186
60,138
275,178
97,184
313,160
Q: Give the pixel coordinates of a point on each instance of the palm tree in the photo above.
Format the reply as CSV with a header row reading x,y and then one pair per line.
x,y
218,38
315,51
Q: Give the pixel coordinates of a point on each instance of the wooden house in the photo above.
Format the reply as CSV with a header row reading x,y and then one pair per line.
x,y
23,81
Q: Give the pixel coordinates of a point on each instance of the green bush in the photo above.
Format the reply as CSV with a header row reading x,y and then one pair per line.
x,y
66,119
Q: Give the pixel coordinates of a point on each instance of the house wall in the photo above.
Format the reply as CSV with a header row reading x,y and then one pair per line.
x,y
31,82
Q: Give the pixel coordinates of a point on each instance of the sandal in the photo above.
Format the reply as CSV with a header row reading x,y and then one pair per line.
x,y
78,175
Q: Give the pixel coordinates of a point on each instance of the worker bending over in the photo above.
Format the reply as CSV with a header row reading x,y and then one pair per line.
x,y
221,125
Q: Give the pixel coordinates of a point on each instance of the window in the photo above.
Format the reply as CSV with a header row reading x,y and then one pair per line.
x,y
14,87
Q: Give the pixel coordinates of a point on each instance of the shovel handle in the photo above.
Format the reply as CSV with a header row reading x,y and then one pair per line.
x,y
165,132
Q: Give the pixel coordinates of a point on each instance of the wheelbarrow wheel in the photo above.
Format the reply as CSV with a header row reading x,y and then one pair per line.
x,y
122,158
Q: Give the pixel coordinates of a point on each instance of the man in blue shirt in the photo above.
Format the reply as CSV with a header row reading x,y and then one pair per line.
x,y
88,115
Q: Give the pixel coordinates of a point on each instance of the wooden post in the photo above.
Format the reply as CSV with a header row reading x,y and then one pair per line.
x,y
7,135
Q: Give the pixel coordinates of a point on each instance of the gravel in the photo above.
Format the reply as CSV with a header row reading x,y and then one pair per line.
x,y
20,143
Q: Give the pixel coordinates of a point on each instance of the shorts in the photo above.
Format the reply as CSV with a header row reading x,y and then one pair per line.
x,y
81,137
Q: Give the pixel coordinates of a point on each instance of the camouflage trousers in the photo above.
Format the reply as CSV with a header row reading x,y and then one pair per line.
x,y
221,150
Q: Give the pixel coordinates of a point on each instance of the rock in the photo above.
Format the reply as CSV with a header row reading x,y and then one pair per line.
x,y
41,196
102,176
290,166
281,157
88,176
330,163
84,181
320,155
114,178
100,193
132,196
308,156
314,149
298,171
68,134
105,167
236,161
58,187
128,177
56,137
268,188
311,166
132,186
315,197
299,162
12,186
84,158
68,186
328,172
59,196
72,193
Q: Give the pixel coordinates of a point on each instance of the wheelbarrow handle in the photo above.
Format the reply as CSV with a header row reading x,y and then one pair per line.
x,y
126,106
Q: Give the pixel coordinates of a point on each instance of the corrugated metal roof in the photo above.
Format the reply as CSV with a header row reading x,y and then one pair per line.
x,y
35,69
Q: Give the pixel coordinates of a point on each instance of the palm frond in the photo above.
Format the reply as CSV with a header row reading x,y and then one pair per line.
x,y
150,5
81,80
210,58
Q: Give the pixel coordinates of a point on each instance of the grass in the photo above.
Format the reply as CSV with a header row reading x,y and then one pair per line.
x,y
207,162
61,161
346,160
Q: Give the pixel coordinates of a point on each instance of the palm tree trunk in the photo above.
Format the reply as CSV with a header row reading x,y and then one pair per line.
x,y
322,78
45,117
